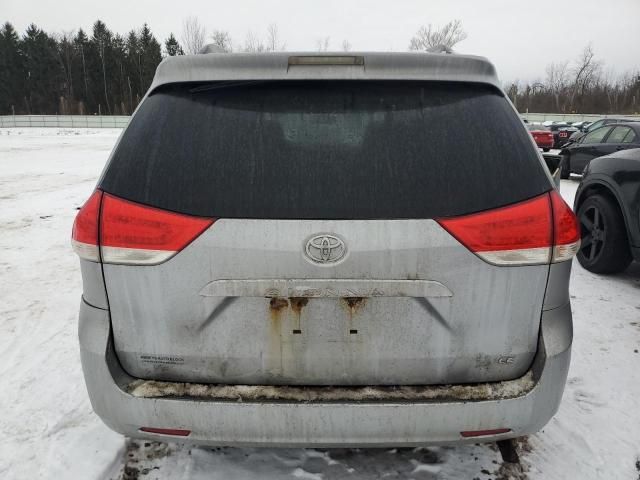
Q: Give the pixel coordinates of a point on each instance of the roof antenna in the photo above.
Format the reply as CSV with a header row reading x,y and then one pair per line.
x,y
211,48
441,48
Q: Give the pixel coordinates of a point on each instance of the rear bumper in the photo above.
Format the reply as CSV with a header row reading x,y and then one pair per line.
x,y
544,143
217,421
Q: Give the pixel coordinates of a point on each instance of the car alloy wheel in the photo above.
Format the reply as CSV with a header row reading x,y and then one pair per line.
x,y
604,243
591,223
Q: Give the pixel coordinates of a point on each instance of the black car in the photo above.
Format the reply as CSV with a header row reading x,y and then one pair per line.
x,y
582,126
608,207
599,142
562,131
589,127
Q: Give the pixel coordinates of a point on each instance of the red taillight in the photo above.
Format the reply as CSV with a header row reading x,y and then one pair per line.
x,y
166,431
521,234
484,433
84,238
131,233
566,232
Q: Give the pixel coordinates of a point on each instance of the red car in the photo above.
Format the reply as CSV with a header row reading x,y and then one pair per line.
x,y
542,136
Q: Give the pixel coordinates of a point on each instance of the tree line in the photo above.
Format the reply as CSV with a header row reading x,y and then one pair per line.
x,y
101,72
579,86
95,72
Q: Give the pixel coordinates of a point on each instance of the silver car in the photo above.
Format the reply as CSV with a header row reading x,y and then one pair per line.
x,y
325,250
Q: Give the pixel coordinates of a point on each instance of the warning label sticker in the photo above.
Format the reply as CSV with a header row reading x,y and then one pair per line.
x,y
161,359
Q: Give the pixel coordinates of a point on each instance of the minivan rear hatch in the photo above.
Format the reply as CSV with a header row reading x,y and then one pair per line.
x,y
325,261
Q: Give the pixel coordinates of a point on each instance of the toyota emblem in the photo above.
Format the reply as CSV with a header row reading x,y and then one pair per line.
x,y
325,248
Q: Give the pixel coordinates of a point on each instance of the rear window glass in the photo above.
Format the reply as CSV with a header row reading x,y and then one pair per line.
x,y
326,150
537,128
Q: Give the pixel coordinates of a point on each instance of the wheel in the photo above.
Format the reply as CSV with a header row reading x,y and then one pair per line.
x,y
565,167
546,149
604,247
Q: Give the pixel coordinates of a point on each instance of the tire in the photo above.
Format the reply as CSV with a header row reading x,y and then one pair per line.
x,y
546,149
605,246
565,167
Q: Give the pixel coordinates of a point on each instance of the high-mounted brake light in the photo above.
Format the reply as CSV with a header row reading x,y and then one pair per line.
x,y
135,234
537,231
84,239
323,60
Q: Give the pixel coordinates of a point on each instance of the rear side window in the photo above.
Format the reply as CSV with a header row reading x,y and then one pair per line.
x,y
326,150
618,134
631,137
596,136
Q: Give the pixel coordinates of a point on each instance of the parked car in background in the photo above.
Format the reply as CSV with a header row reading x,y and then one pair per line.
x,y
581,125
601,141
305,255
562,131
589,127
542,136
607,203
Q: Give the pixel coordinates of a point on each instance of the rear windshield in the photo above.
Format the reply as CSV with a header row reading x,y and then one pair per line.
x,y
325,150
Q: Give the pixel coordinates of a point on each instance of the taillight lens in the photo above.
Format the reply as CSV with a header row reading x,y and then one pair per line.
x,y
84,238
130,233
536,231
135,234
566,231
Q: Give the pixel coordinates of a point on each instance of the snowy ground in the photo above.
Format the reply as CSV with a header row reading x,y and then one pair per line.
x,y
47,428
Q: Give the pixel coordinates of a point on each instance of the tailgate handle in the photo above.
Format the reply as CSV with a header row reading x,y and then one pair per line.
x,y
321,288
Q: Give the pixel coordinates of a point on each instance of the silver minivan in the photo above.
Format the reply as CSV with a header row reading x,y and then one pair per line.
x,y
325,250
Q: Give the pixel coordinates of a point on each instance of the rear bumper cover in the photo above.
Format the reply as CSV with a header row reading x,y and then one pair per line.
x,y
272,422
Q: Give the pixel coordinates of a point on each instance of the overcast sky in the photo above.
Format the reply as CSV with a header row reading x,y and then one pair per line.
x,y
519,37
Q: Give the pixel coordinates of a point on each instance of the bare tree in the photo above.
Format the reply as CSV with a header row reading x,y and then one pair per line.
x,y
558,81
430,38
322,44
223,40
586,72
193,35
253,44
346,46
512,91
273,39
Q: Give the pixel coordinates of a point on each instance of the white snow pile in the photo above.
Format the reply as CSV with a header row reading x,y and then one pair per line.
x,y
48,430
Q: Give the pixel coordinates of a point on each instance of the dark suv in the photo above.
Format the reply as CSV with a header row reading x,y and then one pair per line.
x,y
601,141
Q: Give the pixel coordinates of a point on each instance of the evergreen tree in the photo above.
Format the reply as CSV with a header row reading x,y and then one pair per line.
x,y
79,71
67,57
12,71
44,75
151,56
172,47
132,62
102,63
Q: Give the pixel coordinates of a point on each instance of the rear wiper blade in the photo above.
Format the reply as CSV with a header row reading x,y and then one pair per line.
x,y
223,85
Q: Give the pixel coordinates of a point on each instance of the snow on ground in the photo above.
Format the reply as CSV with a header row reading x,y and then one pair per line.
x,y
47,428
